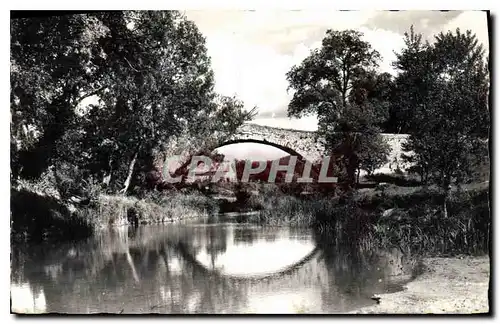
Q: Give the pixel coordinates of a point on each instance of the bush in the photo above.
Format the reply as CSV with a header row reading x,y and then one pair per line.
x,y
397,179
155,207
36,218
72,181
43,186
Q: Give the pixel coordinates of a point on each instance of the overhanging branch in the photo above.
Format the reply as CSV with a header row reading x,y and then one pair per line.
x,y
90,94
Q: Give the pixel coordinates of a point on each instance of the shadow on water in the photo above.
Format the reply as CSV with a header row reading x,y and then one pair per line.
x,y
201,268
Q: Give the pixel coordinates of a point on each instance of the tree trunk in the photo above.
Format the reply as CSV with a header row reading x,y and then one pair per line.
x,y
445,200
130,173
445,210
106,179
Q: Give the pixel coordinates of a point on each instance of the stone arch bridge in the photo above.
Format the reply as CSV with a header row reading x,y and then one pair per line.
x,y
301,143
306,145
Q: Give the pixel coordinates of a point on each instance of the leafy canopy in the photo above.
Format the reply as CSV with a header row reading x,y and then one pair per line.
x,y
339,84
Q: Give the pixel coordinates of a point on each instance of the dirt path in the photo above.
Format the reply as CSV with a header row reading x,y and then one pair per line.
x,y
449,285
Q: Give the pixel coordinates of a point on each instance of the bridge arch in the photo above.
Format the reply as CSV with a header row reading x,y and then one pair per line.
x,y
264,142
315,171
301,160
303,142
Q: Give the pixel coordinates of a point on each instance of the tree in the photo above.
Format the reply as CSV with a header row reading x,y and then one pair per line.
x,y
208,130
161,89
148,74
412,84
211,127
162,80
53,68
338,82
370,100
452,117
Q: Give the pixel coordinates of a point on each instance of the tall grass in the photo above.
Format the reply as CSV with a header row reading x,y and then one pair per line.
x,y
423,229
410,218
278,208
416,223
36,217
155,208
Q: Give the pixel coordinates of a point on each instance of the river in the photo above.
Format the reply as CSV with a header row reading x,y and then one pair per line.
x,y
226,266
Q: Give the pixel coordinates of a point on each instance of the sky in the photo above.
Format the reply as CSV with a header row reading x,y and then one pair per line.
x,y
251,51
253,151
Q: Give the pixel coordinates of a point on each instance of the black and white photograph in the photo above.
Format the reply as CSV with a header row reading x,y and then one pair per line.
x,y
250,162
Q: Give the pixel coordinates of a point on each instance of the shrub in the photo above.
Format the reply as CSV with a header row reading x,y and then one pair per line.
x,y
35,218
414,223
155,207
72,181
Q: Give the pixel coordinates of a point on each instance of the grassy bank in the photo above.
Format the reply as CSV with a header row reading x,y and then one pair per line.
x,y
153,209
416,221
409,217
37,217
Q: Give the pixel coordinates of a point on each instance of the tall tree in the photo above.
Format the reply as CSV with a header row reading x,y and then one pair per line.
x,y
338,83
411,86
164,81
452,118
159,79
53,69
149,77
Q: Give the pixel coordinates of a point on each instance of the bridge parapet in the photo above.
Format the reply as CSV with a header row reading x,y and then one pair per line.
x,y
306,143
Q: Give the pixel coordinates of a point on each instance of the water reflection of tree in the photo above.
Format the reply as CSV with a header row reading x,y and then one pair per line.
x,y
170,280
244,235
97,276
216,242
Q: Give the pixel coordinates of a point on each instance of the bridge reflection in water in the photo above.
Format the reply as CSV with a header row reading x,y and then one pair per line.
x,y
200,268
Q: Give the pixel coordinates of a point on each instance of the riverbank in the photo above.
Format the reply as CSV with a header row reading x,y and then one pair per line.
x,y
160,208
36,217
408,217
408,220
448,286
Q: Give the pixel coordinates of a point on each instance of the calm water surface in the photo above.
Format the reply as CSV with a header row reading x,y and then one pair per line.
x,y
223,267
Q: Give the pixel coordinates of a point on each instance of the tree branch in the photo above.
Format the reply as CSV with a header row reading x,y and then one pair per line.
x,y
90,94
315,88
133,68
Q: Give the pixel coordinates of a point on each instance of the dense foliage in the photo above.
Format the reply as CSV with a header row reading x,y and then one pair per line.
x,y
444,94
339,83
439,97
99,95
